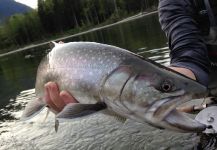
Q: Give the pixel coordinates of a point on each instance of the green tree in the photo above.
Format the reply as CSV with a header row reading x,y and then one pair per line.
x,y
54,16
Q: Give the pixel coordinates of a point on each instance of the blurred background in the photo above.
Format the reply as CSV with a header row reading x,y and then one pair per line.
x,y
25,22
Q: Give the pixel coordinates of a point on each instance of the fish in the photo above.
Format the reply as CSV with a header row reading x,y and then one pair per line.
x,y
102,76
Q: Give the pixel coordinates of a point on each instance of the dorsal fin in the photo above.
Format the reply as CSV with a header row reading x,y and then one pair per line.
x,y
52,44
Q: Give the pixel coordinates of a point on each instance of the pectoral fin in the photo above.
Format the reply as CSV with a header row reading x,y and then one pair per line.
x,y
33,108
73,110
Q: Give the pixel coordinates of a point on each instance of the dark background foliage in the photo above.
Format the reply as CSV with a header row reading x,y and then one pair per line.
x,y
55,17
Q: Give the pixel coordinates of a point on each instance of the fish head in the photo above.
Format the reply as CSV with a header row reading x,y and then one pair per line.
x,y
158,92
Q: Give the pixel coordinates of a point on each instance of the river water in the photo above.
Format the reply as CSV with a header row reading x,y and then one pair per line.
x,y
99,131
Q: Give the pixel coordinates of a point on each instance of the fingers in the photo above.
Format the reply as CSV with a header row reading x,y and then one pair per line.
x,y
55,99
49,101
67,98
54,95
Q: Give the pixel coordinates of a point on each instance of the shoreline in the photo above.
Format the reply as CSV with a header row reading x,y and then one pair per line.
x,y
134,17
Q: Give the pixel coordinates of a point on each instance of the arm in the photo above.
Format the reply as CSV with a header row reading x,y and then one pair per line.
x,y
184,71
188,50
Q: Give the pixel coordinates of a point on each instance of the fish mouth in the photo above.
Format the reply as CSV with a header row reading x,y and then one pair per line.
x,y
163,114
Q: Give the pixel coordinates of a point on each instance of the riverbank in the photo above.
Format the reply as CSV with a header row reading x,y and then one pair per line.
x,y
134,17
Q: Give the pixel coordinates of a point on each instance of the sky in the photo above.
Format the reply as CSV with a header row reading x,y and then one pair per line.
x,y
30,3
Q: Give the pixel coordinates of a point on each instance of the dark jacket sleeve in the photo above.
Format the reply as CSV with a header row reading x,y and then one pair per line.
x,y
188,49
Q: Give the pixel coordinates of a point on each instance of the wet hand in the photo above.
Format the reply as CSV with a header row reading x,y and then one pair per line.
x,y
56,99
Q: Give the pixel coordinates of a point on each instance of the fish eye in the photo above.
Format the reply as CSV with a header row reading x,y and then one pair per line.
x,y
166,86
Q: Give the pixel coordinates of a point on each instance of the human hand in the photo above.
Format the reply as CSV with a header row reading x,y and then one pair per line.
x,y
55,99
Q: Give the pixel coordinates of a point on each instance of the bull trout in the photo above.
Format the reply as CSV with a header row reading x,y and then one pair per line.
x,y
101,76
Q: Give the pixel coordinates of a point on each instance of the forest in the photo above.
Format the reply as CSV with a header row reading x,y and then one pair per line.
x,y
55,18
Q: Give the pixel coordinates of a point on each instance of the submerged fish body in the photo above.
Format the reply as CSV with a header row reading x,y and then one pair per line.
x,y
126,83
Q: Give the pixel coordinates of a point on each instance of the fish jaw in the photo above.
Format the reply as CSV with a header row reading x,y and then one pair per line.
x,y
163,114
